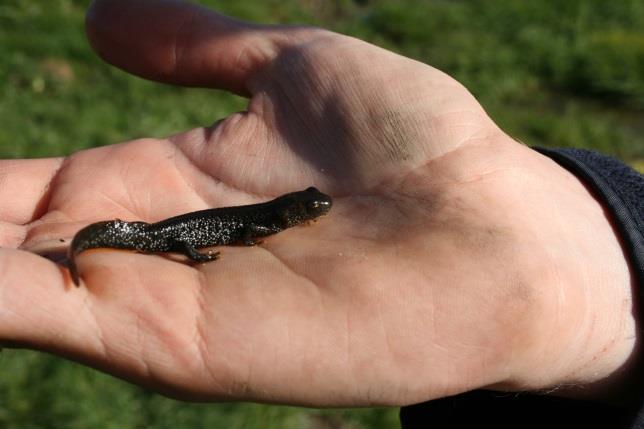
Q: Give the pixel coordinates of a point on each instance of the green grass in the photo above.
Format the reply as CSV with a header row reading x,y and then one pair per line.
x,y
40,391
549,72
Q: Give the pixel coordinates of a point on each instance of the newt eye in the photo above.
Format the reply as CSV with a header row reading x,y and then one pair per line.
x,y
313,205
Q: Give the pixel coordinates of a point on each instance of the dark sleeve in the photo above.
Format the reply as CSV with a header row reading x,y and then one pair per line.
x,y
621,190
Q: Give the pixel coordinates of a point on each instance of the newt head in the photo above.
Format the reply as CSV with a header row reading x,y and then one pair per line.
x,y
317,204
303,206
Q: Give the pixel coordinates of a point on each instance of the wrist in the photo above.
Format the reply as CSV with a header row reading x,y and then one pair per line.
x,y
585,338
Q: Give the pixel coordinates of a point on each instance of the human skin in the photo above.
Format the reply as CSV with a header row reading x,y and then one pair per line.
x,y
454,258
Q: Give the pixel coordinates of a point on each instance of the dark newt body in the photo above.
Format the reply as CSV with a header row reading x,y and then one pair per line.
x,y
188,232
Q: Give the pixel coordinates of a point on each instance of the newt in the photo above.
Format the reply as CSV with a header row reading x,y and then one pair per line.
x,y
204,228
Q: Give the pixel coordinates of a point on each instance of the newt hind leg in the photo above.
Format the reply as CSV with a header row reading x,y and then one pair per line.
x,y
191,252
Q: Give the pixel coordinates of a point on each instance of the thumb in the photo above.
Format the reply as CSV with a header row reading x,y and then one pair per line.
x,y
181,43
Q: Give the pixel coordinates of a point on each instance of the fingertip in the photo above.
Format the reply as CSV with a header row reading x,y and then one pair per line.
x,y
181,43
93,22
132,35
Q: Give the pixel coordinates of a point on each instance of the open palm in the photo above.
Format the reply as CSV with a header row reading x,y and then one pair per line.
x,y
421,282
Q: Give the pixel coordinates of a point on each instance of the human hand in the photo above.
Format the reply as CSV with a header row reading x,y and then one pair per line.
x,y
454,258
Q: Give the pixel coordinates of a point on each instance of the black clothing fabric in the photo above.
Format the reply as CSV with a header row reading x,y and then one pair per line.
x,y
621,190
498,410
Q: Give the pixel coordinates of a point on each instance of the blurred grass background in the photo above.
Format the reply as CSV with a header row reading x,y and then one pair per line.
x,y
549,72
